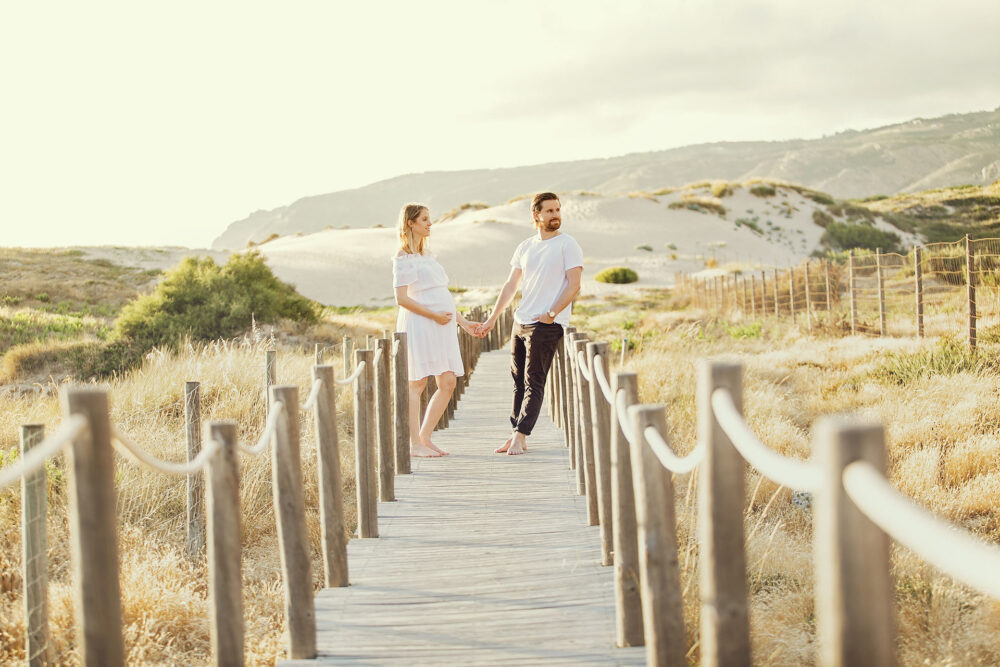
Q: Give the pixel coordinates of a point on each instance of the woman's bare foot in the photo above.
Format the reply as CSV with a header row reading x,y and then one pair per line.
x,y
423,452
503,449
430,445
517,446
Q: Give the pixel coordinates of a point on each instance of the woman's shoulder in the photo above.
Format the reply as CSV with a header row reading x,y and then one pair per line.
x,y
402,257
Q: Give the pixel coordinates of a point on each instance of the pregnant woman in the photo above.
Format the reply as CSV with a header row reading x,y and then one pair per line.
x,y
427,315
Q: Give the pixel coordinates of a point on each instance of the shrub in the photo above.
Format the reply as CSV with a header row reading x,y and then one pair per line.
x,y
672,246
711,263
751,224
203,301
762,190
644,247
42,296
849,235
821,198
721,189
618,275
822,218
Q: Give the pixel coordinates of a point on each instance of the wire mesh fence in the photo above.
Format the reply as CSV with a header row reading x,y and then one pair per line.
x,y
939,289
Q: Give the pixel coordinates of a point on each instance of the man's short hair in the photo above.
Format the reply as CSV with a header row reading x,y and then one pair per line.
x,y
541,198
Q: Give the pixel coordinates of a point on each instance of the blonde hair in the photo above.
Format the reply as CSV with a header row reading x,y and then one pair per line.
x,y
407,242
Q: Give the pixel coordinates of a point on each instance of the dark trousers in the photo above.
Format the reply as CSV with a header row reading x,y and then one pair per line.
x,y
532,349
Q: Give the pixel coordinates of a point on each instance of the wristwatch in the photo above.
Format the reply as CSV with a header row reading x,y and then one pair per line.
x,y
551,314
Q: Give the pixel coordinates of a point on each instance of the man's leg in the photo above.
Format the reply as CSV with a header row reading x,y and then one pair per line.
x,y
540,347
517,361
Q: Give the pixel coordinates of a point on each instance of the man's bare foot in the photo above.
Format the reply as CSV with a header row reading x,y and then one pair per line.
x,y
423,452
430,445
504,448
517,447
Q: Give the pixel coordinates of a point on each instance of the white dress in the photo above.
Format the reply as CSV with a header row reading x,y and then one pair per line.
x,y
432,348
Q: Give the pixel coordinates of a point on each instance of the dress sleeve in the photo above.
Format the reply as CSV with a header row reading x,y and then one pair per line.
x,y
572,254
404,272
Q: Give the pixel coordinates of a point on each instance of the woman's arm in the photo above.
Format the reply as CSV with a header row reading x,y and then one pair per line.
x,y
404,301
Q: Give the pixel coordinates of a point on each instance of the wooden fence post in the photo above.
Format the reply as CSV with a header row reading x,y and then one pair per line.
x,y
850,279
348,350
225,547
601,421
364,440
195,482
94,529
826,266
753,294
777,307
791,293
567,394
918,277
725,626
318,355
575,461
628,603
809,322
333,530
578,445
34,542
659,573
290,511
881,292
854,592
270,377
970,280
383,411
587,434
401,404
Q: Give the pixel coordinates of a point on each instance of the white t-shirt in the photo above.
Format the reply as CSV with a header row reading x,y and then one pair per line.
x,y
543,267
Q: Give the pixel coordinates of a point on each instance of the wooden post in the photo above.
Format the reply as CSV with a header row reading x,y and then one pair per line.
x,y
567,393
791,293
809,322
850,282
348,350
290,510
970,280
746,294
401,405
364,445
94,531
854,592
34,540
777,309
753,294
587,436
881,292
659,573
333,530
578,459
725,625
383,412
195,482
918,277
601,436
826,266
628,603
571,411
225,547
270,377
319,355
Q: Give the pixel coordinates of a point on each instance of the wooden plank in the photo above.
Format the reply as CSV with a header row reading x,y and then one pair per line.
x,y
482,559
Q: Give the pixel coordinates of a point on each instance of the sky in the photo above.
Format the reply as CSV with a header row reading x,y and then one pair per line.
x,y
134,123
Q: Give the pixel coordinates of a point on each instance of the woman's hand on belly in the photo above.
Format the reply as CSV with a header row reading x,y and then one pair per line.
x,y
442,317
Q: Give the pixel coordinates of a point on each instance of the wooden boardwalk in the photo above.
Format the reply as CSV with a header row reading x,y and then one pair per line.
x,y
483,558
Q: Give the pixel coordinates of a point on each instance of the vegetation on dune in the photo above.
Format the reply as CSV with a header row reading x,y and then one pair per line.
x,y
942,214
617,274
846,236
762,190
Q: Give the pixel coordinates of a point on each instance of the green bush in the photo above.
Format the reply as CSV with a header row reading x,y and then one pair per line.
x,y
203,301
822,218
848,235
644,247
762,190
617,274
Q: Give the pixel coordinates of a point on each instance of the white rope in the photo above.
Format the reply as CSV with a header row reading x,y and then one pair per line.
x,y
581,361
353,376
268,435
791,473
126,446
678,465
68,430
395,346
946,546
602,380
378,356
313,395
623,420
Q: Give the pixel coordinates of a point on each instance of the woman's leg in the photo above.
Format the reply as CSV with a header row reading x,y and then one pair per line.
x,y
416,447
436,407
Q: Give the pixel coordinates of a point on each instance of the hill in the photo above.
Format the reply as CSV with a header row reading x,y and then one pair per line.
x,y
904,157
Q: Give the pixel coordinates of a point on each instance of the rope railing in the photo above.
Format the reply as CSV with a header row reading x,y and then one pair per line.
x,y
313,395
353,376
679,465
624,421
34,460
949,548
137,453
790,473
602,380
581,359
270,424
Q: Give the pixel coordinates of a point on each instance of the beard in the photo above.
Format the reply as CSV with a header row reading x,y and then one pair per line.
x,y
552,225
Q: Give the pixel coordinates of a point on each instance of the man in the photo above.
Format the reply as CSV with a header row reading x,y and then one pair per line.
x,y
550,264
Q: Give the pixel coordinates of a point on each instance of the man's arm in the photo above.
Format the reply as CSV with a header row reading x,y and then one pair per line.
x,y
566,296
503,299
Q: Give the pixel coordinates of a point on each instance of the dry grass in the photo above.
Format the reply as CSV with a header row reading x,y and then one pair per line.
x,y
164,595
